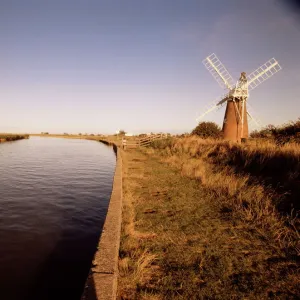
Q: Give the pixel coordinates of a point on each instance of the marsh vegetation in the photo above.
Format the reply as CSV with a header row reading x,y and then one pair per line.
x,y
7,137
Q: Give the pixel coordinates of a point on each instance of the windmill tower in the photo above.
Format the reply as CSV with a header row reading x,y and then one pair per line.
x,y
235,125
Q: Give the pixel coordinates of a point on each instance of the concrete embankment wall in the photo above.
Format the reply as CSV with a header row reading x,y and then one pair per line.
x,y
102,279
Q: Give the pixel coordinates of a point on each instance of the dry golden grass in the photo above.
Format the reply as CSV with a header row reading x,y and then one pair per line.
x,y
211,231
136,268
246,173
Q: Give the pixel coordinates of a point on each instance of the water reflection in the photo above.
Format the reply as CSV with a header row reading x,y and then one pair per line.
x,y
54,195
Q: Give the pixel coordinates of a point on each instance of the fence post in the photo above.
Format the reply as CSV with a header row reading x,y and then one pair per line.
x,y
124,144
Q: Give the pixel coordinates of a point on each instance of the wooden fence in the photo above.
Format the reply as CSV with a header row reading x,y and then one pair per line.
x,y
142,142
150,138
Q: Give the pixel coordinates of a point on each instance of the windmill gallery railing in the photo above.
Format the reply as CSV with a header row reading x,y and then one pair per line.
x,y
142,142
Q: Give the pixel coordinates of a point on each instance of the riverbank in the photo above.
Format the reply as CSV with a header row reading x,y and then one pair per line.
x,y
101,283
6,137
195,228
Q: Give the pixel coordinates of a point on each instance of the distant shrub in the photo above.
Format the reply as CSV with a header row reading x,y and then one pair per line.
x,y
266,132
286,133
207,130
183,135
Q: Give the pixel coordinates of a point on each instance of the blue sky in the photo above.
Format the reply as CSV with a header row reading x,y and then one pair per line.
x,y
98,66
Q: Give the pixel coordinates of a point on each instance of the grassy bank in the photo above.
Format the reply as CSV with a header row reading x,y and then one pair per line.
x,y
6,137
261,162
200,222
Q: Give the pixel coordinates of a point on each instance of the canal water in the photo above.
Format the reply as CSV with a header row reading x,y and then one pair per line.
x,y
54,195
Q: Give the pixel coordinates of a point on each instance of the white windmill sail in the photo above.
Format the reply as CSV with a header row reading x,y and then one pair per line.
x,y
216,104
219,72
255,122
263,73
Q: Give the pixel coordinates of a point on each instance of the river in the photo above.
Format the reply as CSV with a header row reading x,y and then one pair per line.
x,y
54,195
